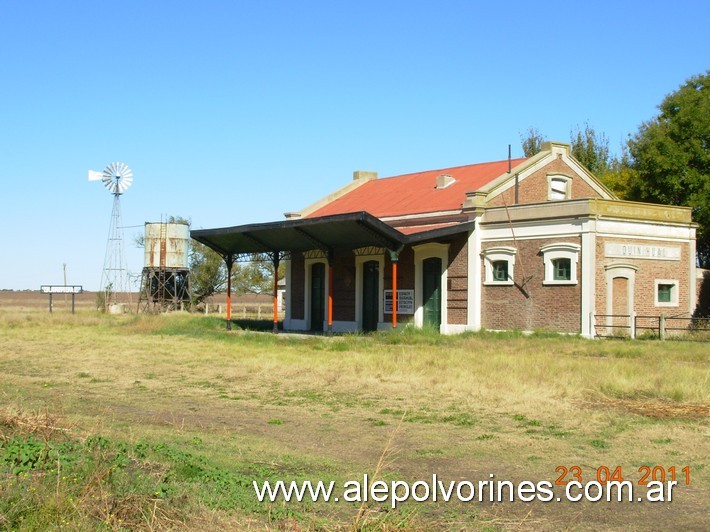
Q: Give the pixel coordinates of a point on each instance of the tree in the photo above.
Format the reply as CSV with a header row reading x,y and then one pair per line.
x,y
532,141
671,156
207,270
620,174
253,275
256,276
591,149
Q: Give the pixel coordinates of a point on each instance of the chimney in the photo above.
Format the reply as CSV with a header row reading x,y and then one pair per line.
x,y
444,180
367,176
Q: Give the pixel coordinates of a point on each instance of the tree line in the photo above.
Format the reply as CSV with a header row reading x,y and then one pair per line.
x,y
666,161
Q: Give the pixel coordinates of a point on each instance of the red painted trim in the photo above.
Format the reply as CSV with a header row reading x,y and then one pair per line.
x,y
330,298
394,295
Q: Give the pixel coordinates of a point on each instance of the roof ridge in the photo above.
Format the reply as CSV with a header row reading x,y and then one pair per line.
x,y
454,167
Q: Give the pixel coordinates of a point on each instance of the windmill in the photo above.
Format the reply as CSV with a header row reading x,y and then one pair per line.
x,y
116,177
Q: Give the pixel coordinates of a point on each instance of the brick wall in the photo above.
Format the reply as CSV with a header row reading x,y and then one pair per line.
x,y
648,271
344,286
297,284
535,306
533,189
457,276
405,280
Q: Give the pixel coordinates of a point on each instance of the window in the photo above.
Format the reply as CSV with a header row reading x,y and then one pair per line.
x,y
666,293
499,264
562,269
560,261
558,187
500,270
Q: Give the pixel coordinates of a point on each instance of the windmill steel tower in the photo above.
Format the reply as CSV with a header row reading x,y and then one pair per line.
x,y
116,177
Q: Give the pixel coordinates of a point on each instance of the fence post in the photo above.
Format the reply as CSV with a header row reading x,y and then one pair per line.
x,y
244,312
632,325
258,312
662,326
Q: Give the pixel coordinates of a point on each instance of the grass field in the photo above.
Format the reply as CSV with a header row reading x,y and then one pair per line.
x,y
162,422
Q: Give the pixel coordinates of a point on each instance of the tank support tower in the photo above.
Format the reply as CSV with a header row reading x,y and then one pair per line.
x,y
165,282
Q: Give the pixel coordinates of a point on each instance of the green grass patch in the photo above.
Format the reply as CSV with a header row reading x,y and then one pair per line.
x,y
100,481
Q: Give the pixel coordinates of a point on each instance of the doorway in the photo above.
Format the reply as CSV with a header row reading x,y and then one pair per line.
x,y
431,292
317,296
370,295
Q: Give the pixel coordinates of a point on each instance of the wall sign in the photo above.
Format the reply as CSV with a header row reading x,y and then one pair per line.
x,y
405,301
639,251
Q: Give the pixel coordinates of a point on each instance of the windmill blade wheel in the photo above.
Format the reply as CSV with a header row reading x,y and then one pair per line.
x,y
117,177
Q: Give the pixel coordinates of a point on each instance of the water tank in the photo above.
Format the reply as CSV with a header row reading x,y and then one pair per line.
x,y
166,245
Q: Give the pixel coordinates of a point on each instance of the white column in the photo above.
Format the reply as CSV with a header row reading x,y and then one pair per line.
x,y
588,284
474,278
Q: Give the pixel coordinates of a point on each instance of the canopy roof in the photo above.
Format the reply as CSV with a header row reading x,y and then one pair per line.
x,y
339,231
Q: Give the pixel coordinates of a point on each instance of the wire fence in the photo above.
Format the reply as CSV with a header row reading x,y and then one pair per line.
x,y
654,327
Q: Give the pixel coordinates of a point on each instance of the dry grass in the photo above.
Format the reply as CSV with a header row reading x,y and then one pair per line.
x,y
510,405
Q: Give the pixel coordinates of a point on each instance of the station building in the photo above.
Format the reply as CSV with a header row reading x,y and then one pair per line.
x,y
532,243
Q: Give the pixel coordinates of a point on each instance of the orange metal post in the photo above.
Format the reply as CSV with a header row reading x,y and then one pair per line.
x,y
394,294
330,298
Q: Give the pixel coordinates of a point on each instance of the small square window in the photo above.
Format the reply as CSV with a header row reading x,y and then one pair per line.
x,y
500,270
665,293
562,269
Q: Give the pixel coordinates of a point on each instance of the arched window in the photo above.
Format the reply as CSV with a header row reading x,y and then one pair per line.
x,y
499,265
560,263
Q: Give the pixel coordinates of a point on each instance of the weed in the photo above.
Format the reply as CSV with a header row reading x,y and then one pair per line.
x,y
429,452
599,444
391,411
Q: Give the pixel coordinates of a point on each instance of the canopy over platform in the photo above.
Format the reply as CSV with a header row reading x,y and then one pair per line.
x,y
339,231
327,233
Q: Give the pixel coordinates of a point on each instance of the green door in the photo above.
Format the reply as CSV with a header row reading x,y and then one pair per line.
x,y
370,295
317,296
431,292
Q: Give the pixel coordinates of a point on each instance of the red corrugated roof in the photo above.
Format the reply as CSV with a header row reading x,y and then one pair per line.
x,y
416,193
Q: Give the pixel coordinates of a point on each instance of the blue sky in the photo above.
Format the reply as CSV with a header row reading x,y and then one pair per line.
x,y
234,112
